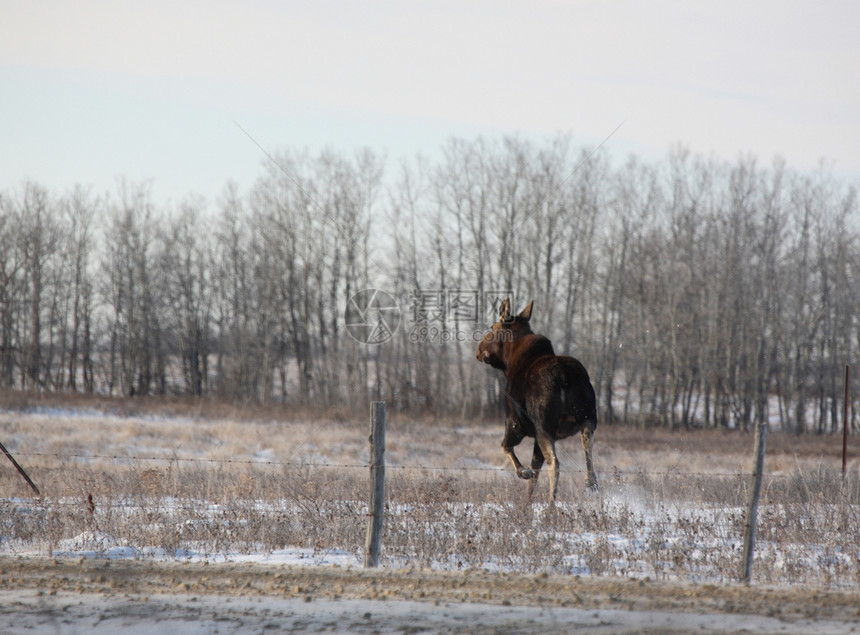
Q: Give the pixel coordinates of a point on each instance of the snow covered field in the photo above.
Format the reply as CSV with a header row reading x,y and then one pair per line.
x,y
191,488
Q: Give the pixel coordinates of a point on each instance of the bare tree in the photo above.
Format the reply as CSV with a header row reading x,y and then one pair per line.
x,y
186,268
698,292
137,363
12,274
80,208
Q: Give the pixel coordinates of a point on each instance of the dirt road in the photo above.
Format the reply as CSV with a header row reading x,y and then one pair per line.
x,y
68,596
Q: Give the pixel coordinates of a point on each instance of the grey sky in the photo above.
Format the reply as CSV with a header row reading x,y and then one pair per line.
x,y
93,90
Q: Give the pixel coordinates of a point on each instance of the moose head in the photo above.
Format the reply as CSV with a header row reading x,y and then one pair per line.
x,y
509,328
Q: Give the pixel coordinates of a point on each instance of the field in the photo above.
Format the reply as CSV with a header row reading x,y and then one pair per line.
x,y
161,483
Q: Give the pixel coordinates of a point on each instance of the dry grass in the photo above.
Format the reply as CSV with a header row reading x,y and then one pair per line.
x,y
174,481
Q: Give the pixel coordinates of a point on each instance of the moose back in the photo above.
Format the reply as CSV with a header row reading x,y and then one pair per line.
x,y
547,396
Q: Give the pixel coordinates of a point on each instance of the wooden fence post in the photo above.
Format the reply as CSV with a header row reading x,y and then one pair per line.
x,y
376,507
20,469
845,420
752,501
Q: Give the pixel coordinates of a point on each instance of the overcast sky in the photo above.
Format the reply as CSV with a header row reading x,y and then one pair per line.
x,y
90,91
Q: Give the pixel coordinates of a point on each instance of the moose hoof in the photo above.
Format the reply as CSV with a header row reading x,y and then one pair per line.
x,y
525,473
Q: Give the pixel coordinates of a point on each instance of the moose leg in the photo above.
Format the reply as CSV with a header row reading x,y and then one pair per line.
x,y
591,477
547,448
537,464
511,439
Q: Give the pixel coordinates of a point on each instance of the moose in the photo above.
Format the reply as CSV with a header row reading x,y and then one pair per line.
x,y
547,396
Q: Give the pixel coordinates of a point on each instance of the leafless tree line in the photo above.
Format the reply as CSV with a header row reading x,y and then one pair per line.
x,y
698,292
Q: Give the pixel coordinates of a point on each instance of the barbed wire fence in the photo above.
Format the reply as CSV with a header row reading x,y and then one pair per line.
x,y
403,519
417,467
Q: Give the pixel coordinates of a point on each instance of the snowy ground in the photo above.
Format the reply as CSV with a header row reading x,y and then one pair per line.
x,y
225,494
29,612
92,596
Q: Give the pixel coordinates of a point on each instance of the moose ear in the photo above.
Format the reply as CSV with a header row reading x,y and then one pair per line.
x,y
505,310
526,313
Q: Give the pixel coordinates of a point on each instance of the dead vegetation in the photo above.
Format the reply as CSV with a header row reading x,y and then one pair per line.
x,y
178,485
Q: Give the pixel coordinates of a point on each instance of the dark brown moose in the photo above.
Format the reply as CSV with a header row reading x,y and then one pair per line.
x,y
547,396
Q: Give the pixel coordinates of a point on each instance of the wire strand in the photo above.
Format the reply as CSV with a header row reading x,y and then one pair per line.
x,y
417,467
